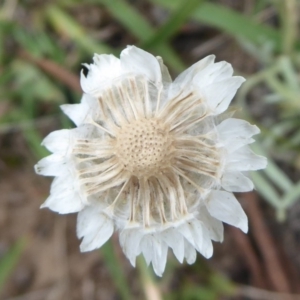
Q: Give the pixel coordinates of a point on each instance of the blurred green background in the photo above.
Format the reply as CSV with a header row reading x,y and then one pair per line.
x,y
44,43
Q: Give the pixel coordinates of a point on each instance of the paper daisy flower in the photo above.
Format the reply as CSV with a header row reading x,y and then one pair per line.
x,y
153,159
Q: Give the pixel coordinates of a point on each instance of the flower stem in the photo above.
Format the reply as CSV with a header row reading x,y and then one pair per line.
x,y
151,289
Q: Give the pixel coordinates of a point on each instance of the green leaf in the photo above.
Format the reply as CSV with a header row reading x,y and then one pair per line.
x,y
9,261
231,22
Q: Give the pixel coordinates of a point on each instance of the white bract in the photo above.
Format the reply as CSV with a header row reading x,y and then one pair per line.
x,y
151,158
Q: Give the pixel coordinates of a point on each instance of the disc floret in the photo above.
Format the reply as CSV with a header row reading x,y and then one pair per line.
x,y
144,147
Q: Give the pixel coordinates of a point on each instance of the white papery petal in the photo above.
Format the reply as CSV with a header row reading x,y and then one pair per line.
x,y
104,70
189,253
52,165
147,250
224,206
150,245
175,241
64,204
159,259
141,62
244,159
130,242
109,65
86,221
198,236
214,226
212,74
58,141
95,227
64,197
237,129
236,133
235,181
166,77
83,112
185,230
201,238
207,246
224,71
218,95
187,76
78,113
183,80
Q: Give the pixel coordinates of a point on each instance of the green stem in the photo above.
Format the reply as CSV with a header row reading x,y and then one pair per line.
x,y
289,25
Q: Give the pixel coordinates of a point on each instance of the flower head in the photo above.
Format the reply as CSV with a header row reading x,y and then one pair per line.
x,y
153,159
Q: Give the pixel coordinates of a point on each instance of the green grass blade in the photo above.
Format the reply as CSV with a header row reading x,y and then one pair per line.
x,y
170,57
273,172
65,24
173,24
116,271
139,27
266,189
9,261
291,196
278,176
231,22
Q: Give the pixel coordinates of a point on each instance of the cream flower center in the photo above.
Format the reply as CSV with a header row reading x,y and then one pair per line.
x,y
144,146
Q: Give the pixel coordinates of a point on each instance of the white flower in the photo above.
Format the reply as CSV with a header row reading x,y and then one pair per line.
x,y
149,157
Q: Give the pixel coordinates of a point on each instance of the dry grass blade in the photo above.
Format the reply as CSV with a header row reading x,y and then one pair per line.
x,y
266,245
250,258
253,293
54,70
